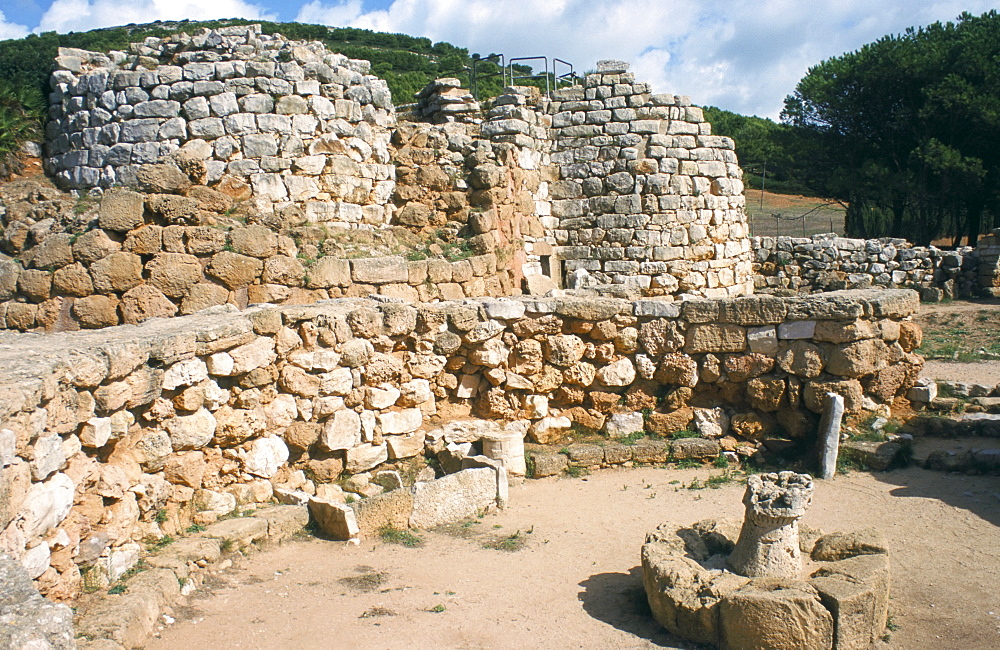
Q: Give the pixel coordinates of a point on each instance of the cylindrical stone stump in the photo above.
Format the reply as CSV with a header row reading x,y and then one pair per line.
x,y
769,540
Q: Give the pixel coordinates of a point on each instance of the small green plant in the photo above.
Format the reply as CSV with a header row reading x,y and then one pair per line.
x,y
349,498
575,471
685,433
392,535
162,543
695,484
633,437
509,544
117,589
161,516
718,480
226,545
721,461
529,464
688,463
437,609
194,528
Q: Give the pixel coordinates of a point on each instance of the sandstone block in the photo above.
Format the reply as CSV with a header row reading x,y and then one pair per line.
x,y
715,338
335,519
121,211
454,497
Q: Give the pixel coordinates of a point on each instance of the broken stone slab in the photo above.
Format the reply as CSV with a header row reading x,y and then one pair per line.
x,y
239,532
392,508
334,519
130,618
548,464
878,456
503,484
454,497
178,555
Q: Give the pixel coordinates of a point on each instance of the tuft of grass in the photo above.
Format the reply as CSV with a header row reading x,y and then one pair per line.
x,y
718,480
194,528
118,589
574,471
377,611
162,543
688,463
161,516
509,544
392,535
437,609
685,433
695,484
633,437
722,462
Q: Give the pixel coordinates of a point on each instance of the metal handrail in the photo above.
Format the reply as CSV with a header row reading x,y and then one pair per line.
x,y
570,77
510,71
475,75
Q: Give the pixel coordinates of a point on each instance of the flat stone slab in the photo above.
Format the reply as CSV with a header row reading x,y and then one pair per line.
x,y
239,532
453,497
283,521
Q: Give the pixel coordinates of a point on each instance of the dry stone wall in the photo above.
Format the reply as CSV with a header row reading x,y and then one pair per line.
x,y
288,122
829,263
112,437
646,195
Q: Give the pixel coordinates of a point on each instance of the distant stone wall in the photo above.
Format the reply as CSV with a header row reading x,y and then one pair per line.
x,y
111,437
286,122
829,263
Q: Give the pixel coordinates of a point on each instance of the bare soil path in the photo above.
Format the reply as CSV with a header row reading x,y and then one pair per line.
x,y
576,583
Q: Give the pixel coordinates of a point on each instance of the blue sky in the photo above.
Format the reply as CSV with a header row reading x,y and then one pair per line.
x,y
742,55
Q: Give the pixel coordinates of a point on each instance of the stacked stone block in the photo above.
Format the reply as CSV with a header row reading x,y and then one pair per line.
x,y
287,120
444,100
111,437
646,196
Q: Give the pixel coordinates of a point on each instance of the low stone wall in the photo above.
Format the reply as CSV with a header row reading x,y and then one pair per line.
x,y
129,433
828,262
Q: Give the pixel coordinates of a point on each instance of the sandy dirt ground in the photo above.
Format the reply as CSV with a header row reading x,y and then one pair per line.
x,y
576,582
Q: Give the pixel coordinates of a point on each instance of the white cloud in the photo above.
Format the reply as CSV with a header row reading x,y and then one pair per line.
x,y
741,55
11,30
81,15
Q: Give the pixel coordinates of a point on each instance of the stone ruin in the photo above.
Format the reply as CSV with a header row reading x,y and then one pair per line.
x,y
706,584
280,332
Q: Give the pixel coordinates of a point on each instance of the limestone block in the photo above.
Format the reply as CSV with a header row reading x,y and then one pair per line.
x,y
397,422
454,497
763,340
48,456
405,446
187,468
715,338
781,615
696,448
283,521
564,349
144,302
379,270
342,431
95,432
858,359
619,425
800,358
549,428
392,508
335,519
121,210
677,369
174,273
265,456
548,464
256,354
46,505
711,423
234,270
116,273
238,532
797,329
185,373
364,457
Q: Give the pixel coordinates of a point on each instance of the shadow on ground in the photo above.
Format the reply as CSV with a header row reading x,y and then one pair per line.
x,y
619,600
979,495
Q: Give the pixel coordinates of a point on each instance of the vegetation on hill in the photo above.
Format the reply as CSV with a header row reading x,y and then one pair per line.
x,y
905,130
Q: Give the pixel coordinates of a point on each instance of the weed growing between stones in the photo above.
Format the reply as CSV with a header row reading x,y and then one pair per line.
x,y
684,433
393,535
574,471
